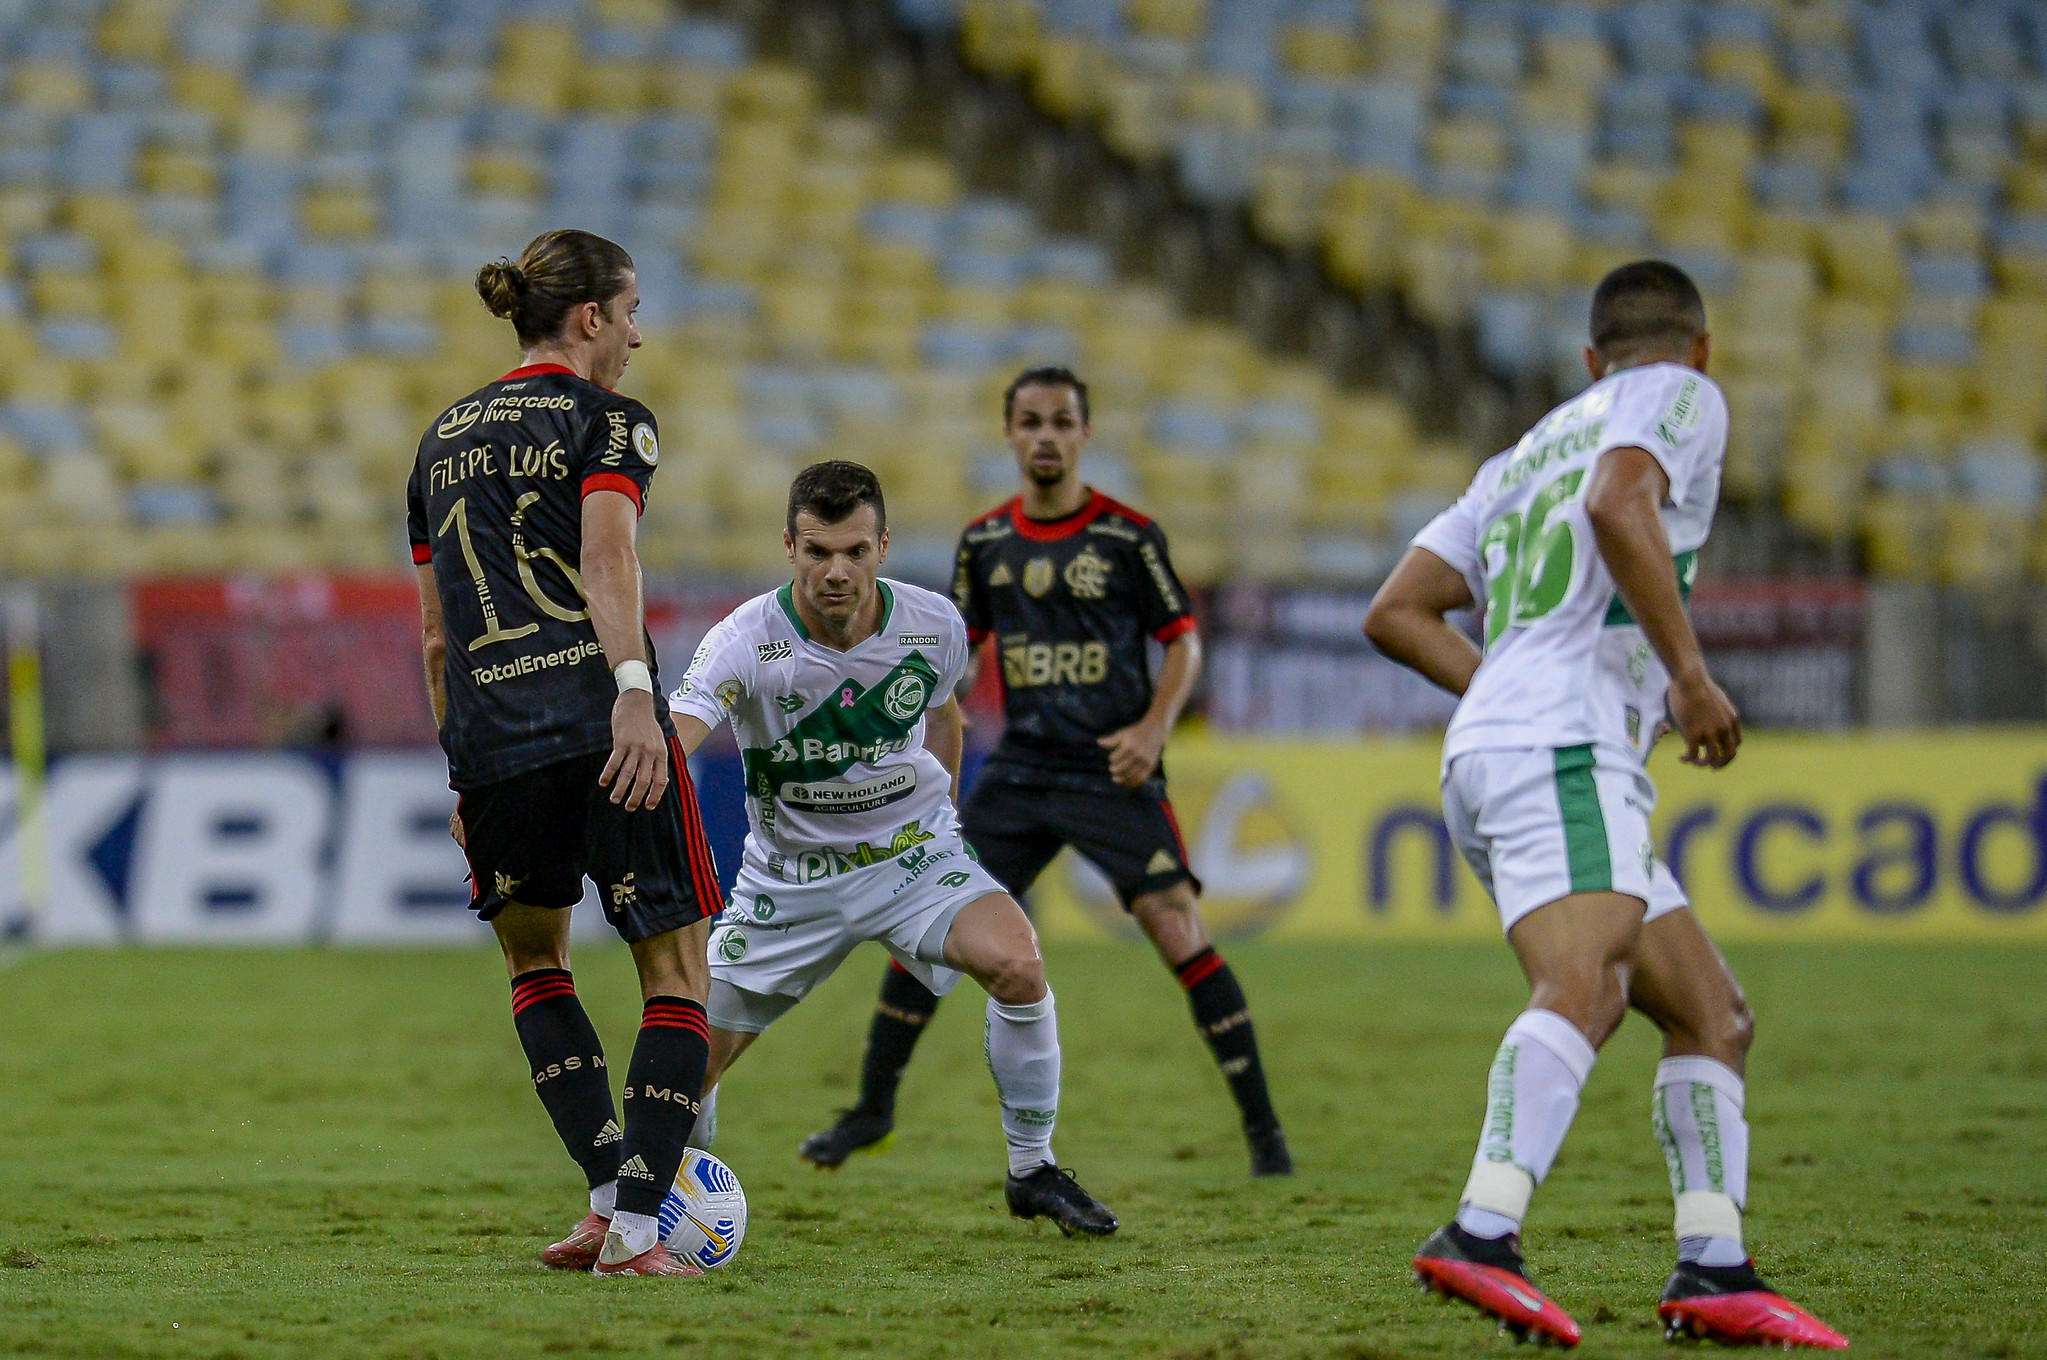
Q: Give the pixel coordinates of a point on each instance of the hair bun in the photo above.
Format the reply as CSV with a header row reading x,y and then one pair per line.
x,y
502,284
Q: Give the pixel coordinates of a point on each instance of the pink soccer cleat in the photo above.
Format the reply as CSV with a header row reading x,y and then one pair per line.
x,y
1486,1273
578,1251
1735,1306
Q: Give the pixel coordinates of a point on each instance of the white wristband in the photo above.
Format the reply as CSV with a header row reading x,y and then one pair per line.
x,y
633,675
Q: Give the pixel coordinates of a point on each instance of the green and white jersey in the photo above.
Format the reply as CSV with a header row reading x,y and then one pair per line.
x,y
837,777
1564,663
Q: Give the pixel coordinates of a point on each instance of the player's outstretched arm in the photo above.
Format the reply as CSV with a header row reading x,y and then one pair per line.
x,y
945,736
1406,620
1135,751
1624,505
637,773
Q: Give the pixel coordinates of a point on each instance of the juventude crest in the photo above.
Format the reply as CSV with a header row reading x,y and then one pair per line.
x,y
1037,576
1087,575
905,698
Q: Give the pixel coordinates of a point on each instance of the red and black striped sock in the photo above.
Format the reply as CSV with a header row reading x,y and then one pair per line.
x,y
568,1068
662,1085
1224,1018
905,1008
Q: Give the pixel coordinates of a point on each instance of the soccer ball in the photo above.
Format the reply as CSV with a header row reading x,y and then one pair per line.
x,y
703,1219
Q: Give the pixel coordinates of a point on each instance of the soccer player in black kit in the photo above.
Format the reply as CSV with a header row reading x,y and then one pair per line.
x,y
1072,585
522,510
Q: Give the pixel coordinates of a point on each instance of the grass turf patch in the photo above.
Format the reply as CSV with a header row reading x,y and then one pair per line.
x,y
246,1153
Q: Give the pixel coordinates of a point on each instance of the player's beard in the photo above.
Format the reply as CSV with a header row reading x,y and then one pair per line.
x,y
1045,476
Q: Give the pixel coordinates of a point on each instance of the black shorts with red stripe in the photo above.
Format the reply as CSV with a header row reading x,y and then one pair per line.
x,y
1017,821
533,838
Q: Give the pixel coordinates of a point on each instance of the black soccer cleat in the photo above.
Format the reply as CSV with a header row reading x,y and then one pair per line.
x,y
857,1130
1269,1156
1054,1194
1736,1306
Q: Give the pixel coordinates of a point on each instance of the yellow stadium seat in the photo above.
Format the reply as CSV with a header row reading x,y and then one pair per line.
x,y
271,126
688,87
1982,545
1573,61
1469,143
801,319
1406,35
1000,36
1138,115
923,180
68,293
1225,100
1529,249
535,62
166,170
209,89
137,31
41,382
1184,20
643,14
615,86
771,92
1899,535
51,87
1750,65
1864,256
1321,52
1070,76
1811,124
341,214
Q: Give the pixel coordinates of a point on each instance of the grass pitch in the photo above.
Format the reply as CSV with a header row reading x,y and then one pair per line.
x,y
243,1154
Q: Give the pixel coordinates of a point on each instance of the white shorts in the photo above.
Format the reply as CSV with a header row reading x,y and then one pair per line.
x,y
1539,825
776,940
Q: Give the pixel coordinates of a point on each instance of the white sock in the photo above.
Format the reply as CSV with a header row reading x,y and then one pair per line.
x,y
1697,1110
1531,1098
706,1131
635,1233
1023,1053
604,1198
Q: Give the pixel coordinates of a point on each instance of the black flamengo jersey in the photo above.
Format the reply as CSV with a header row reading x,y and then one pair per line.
x,y
496,504
1070,602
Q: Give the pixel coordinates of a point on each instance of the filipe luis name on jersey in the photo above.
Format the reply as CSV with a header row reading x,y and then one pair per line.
x,y
545,464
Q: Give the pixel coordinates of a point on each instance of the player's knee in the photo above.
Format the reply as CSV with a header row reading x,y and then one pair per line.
x,y
1738,1026
1018,978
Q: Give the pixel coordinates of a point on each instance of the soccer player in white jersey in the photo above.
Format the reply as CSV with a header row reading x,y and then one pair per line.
x,y
840,689
1581,542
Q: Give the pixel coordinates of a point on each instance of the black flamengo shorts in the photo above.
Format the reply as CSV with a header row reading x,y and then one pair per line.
x,y
1131,835
534,836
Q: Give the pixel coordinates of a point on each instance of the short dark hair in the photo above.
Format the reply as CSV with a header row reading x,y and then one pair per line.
x,y
557,272
1045,375
1648,302
833,490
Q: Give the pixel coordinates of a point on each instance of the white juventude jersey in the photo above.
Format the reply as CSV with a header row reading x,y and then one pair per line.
x,y
837,777
1564,663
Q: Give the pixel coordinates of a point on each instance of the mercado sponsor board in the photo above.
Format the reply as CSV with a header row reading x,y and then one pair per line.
x,y
1804,837
1807,837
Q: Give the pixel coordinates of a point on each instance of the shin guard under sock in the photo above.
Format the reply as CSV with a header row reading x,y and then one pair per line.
x,y
905,1008
662,1086
1531,1098
1700,1125
1224,1019
1023,1053
568,1068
